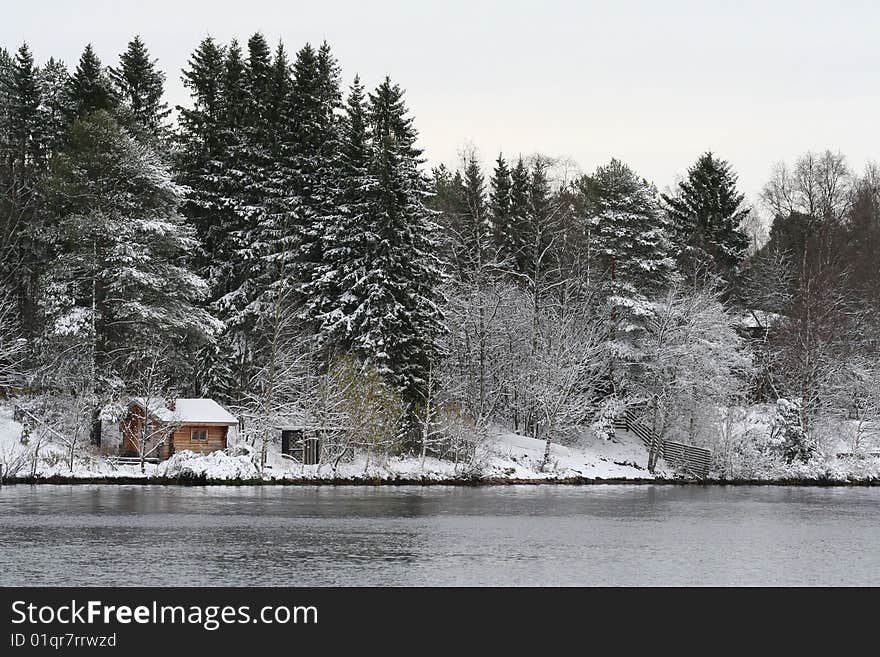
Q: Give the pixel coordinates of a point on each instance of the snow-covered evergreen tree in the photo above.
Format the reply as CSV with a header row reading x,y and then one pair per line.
x,y
200,146
56,105
630,239
119,282
706,214
90,86
476,250
514,241
344,262
396,319
209,130
317,101
140,86
23,167
25,127
500,205
251,192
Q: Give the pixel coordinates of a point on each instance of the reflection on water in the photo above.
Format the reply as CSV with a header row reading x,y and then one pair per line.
x,y
519,535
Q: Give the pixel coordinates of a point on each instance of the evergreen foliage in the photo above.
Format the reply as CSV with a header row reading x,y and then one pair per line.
x,y
706,214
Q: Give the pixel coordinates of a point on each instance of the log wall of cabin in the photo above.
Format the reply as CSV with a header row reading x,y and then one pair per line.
x,y
130,428
182,439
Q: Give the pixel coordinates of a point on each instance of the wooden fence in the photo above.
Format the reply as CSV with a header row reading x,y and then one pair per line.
x,y
694,460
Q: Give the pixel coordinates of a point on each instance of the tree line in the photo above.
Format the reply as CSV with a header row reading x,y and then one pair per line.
x,y
281,241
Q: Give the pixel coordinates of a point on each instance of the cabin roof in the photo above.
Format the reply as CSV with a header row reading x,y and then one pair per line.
x,y
186,411
194,411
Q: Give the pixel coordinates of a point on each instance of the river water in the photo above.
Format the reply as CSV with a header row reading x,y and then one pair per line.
x,y
402,536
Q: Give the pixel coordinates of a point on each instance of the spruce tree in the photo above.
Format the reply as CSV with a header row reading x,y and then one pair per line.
x,y
25,134
475,250
199,138
396,318
140,85
707,214
314,168
448,201
8,220
229,264
24,157
256,199
90,87
225,266
56,107
209,134
499,206
515,235
345,257
538,230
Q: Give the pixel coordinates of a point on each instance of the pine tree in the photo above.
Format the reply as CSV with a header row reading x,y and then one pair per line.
x,y
707,214
538,230
630,238
120,284
226,172
115,195
8,219
448,201
253,191
140,86
90,87
280,87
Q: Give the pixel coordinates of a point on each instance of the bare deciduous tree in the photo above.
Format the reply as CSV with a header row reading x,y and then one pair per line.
x,y
12,345
691,361
855,388
151,420
819,186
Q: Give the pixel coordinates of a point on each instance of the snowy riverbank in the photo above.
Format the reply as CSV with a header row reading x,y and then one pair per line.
x,y
505,458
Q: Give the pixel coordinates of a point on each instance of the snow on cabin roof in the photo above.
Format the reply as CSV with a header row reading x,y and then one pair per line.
x,y
193,411
186,411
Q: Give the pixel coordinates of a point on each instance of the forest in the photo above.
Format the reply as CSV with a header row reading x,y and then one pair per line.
x,y
280,245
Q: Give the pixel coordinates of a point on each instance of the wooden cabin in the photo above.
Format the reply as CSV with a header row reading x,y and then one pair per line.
x,y
197,425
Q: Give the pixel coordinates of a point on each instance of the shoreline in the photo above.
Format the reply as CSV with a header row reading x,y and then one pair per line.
x,y
410,481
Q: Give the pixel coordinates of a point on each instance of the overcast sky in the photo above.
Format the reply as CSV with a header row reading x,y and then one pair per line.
x,y
652,83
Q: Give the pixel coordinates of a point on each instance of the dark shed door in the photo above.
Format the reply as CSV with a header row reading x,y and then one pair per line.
x,y
291,441
311,450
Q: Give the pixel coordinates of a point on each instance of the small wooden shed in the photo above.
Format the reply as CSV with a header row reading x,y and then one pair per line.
x,y
306,442
198,425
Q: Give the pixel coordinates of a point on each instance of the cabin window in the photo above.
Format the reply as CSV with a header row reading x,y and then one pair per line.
x,y
199,435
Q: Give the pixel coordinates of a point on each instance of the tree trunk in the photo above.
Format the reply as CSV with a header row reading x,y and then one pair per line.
x,y
95,431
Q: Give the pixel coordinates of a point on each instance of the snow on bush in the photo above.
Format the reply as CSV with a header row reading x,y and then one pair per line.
x,y
787,432
216,465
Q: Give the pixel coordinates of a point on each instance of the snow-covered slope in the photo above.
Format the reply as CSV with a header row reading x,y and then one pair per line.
x,y
505,455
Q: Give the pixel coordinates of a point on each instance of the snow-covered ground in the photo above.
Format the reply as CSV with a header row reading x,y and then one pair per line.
x,y
505,456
